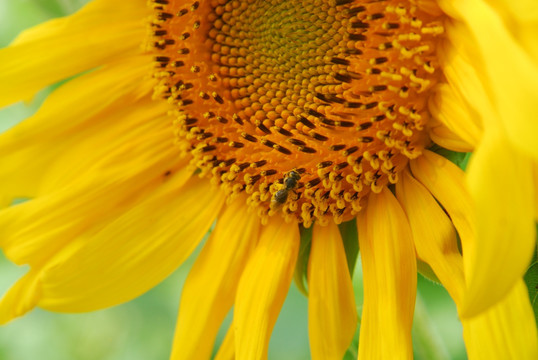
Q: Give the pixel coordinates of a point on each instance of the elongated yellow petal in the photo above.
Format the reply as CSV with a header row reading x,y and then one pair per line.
x,y
433,233
458,60
210,288
525,11
227,348
456,125
96,148
20,298
110,264
263,288
444,137
102,31
501,182
70,135
390,279
33,232
507,330
149,241
535,181
521,17
332,313
75,104
446,182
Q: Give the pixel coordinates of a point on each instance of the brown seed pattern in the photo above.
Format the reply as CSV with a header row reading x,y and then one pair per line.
x,y
335,90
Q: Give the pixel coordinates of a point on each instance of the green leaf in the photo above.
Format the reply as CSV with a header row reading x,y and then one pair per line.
x,y
350,237
301,268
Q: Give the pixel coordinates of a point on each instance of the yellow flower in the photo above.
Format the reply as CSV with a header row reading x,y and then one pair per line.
x,y
268,116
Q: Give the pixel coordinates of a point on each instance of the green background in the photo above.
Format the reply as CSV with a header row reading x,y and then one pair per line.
x,y
143,328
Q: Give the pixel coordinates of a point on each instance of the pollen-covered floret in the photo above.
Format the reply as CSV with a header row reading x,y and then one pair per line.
x,y
334,91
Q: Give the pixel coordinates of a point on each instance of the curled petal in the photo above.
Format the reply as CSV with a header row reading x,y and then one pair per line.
x,y
433,233
504,199
506,330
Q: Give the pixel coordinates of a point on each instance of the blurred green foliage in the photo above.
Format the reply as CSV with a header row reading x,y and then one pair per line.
x,y
143,328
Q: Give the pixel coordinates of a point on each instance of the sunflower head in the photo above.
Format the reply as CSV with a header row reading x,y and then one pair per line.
x,y
307,110
334,92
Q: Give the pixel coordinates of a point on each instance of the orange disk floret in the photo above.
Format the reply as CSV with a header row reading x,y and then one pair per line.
x,y
331,93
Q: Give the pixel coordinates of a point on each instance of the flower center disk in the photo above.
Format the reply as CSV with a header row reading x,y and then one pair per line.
x,y
306,106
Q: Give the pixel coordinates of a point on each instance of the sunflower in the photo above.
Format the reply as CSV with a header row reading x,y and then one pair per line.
x,y
271,117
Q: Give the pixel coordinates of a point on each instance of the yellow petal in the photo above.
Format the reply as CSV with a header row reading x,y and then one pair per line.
x,y
92,149
20,298
455,125
109,265
75,103
390,279
443,136
71,134
457,59
501,182
524,11
429,6
446,182
210,288
521,18
507,330
263,288
332,313
433,233
481,332
510,74
227,348
535,180
102,31
34,231
133,253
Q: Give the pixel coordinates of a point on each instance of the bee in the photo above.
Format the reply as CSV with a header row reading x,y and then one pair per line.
x,y
290,182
